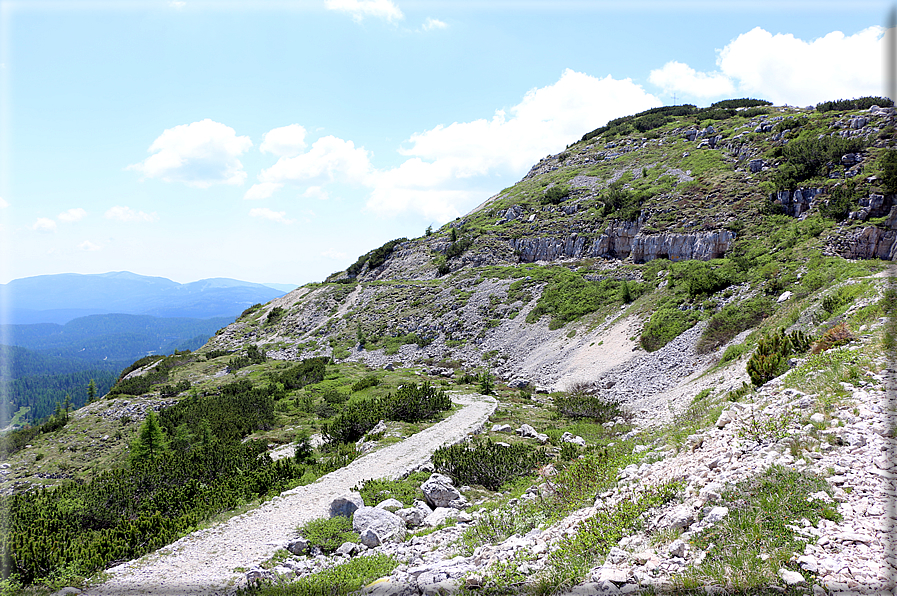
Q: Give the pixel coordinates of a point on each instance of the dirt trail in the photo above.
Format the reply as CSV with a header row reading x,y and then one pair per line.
x,y
204,562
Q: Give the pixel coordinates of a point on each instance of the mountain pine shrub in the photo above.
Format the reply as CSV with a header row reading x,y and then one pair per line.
x,y
665,325
412,403
579,403
485,463
328,534
771,357
732,320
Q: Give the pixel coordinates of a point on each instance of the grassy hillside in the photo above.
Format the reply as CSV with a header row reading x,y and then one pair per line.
x,y
627,290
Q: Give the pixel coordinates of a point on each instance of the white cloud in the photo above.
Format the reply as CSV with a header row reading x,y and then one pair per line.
x,y
262,190
383,9
89,246
121,213
786,69
265,213
199,154
432,23
44,224
450,169
681,78
316,192
3,203
286,141
333,254
74,214
447,166
328,159
176,4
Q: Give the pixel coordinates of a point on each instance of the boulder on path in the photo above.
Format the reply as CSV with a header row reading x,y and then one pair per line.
x,y
377,526
345,505
440,492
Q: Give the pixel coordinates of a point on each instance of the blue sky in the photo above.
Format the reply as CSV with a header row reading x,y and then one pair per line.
x,y
277,141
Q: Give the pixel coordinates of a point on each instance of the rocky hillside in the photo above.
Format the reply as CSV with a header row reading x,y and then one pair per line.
x,y
683,311
592,241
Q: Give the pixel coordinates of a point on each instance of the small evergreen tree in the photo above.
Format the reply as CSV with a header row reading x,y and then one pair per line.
x,y
91,391
151,441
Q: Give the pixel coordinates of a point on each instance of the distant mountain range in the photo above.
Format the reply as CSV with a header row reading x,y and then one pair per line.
x,y
66,296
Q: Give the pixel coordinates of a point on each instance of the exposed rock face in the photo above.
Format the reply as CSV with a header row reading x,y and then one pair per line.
x,y
795,202
625,239
870,242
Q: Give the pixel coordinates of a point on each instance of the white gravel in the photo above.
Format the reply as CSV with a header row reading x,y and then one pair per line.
x,y
206,561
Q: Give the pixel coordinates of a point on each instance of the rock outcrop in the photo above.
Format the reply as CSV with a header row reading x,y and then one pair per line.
x,y
868,242
623,240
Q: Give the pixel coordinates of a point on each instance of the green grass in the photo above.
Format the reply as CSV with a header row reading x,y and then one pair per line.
x,y
760,511
340,580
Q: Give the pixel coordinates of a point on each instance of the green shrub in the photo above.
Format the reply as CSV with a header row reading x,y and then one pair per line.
x,y
343,579
352,423
253,355
733,352
579,404
486,383
887,166
555,195
307,372
485,463
862,103
842,200
405,490
808,157
249,311
375,258
274,315
412,403
732,320
740,103
665,325
328,533
771,357
365,382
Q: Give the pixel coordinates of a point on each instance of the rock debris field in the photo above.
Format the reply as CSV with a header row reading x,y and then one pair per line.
x,y
213,561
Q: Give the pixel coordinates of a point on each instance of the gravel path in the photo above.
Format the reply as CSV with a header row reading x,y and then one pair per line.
x,y
204,562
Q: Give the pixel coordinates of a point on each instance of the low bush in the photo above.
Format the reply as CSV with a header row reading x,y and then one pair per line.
x,y
732,320
307,372
365,382
861,103
771,357
665,325
413,403
405,489
328,534
838,335
346,578
579,404
352,423
555,195
485,463
253,355
274,315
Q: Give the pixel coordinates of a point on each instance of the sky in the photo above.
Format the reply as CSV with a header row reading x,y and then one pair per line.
x,y
275,142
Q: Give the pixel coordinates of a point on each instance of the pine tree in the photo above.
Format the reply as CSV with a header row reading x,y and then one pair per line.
x,y
151,441
91,391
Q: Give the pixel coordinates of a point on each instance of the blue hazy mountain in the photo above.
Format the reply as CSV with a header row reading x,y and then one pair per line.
x,y
63,297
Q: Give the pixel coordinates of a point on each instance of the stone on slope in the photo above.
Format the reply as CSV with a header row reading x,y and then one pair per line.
x,y
377,526
440,492
346,504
